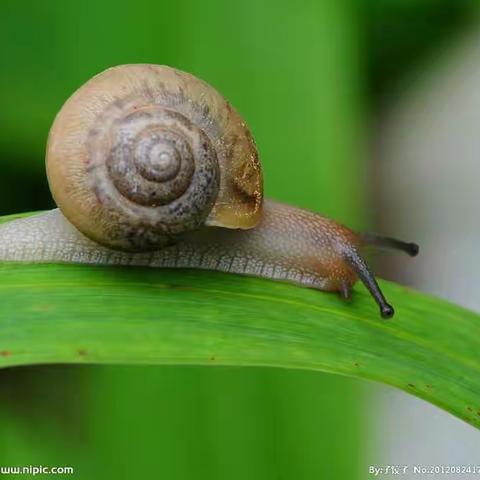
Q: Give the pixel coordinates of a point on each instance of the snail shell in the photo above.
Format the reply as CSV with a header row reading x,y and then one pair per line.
x,y
143,153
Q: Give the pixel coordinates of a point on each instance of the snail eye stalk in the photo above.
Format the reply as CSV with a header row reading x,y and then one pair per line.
x,y
360,267
411,249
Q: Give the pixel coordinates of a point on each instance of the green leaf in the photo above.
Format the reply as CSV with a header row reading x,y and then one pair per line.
x,y
87,314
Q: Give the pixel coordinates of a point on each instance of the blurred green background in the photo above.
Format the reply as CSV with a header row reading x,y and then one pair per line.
x,y
307,76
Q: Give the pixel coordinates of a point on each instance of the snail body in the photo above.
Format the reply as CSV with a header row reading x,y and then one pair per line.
x,y
152,166
307,258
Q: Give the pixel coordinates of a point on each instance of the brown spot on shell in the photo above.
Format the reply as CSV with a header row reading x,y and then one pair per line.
x,y
148,91
119,103
245,179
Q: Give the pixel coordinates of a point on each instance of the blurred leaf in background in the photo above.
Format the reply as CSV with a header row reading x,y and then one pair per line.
x,y
402,35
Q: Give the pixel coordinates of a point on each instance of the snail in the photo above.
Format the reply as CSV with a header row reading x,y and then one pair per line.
x,y
151,166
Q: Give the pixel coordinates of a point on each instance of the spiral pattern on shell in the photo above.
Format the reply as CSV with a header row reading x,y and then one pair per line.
x,y
141,154
155,170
